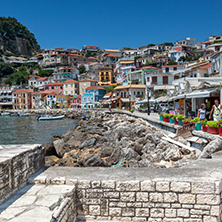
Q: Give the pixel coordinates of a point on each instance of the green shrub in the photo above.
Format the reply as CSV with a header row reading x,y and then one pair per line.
x,y
170,115
132,110
204,122
196,120
174,116
161,114
166,115
180,117
212,123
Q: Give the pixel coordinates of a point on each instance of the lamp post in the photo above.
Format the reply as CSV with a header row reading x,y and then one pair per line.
x,y
129,100
148,101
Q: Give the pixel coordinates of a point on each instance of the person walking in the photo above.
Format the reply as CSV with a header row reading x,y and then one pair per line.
x,y
202,112
216,110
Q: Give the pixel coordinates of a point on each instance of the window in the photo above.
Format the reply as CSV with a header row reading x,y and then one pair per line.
x,y
52,87
64,99
71,85
71,92
174,68
91,98
66,85
59,99
84,99
66,93
60,87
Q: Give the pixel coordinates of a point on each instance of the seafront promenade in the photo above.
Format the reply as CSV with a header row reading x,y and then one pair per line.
x,y
57,194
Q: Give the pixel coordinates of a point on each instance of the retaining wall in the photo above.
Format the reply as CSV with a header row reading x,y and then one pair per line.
x,y
17,164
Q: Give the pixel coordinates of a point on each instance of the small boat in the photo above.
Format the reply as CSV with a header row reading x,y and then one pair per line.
x,y
5,114
23,114
47,117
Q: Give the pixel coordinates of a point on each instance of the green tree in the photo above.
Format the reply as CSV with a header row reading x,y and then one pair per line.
x,y
5,69
82,69
45,73
172,63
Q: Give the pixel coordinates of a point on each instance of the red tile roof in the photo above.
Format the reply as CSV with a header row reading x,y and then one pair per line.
x,y
71,81
111,55
54,84
22,91
206,66
42,78
95,87
105,67
174,66
87,80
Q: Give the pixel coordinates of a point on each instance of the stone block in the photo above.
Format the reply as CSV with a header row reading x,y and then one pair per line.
x,y
201,207
187,206
215,211
128,196
155,220
162,205
210,219
95,184
176,206
157,212
208,199
172,220
117,204
193,220
108,184
162,186
139,219
156,197
142,212
128,212
147,185
142,196
135,204
94,210
182,212
115,212
182,187
202,188
113,195
170,213
187,198
199,212
84,184
127,186
170,197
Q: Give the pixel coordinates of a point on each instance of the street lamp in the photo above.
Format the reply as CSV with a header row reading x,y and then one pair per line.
x,y
148,101
129,100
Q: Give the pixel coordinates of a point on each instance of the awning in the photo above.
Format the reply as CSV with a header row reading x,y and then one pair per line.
x,y
201,93
179,97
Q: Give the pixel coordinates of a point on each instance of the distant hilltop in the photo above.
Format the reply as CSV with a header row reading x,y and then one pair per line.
x,y
15,38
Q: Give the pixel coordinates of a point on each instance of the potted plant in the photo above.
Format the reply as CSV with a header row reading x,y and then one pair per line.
x,y
198,125
166,117
212,127
161,116
171,118
132,110
175,119
180,118
219,123
204,125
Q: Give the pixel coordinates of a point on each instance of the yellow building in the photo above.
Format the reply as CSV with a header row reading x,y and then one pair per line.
x,y
105,76
22,99
62,101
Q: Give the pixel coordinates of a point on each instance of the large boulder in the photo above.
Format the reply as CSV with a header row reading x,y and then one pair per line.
x,y
95,160
66,136
116,155
59,147
49,149
88,142
212,147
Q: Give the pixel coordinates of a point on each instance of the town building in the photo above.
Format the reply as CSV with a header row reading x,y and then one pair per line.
x,y
53,87
188,41
62,101
109,59
71,87
85,83
50,100
37,100
32,81
92,96
75,102
88,49
6,96
41,81
64,73
105,76
22,99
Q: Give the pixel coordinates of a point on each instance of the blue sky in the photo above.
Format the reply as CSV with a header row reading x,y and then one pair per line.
x,y
115,23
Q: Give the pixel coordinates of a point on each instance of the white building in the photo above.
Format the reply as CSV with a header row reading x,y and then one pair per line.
x,y
71,87
188,41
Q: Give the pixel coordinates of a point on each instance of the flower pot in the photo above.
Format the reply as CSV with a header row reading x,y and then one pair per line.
x,y
161,118
212,130
220,131
176,122
180,122
171,121
167,120
185,123
198,126
204,128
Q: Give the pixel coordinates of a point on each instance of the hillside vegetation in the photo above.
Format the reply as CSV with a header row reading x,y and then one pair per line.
x,y
16,38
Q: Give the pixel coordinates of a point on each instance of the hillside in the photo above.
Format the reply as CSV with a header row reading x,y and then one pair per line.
x,y
16,38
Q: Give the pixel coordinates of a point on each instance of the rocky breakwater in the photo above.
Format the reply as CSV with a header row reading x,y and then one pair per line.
x,y
116,140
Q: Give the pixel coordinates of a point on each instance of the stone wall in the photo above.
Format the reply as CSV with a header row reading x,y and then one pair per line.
x,y
151,200
17,163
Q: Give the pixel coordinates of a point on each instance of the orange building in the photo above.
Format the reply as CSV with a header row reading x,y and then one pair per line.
x,y
22,99
105,76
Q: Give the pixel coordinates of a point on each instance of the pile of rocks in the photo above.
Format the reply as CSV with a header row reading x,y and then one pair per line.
x,y
115,140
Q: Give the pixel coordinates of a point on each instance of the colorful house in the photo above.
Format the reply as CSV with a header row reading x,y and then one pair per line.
x,y
85,83
75,102
92,96
37,100
71,87
22,99
53,87
62,101
105,76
